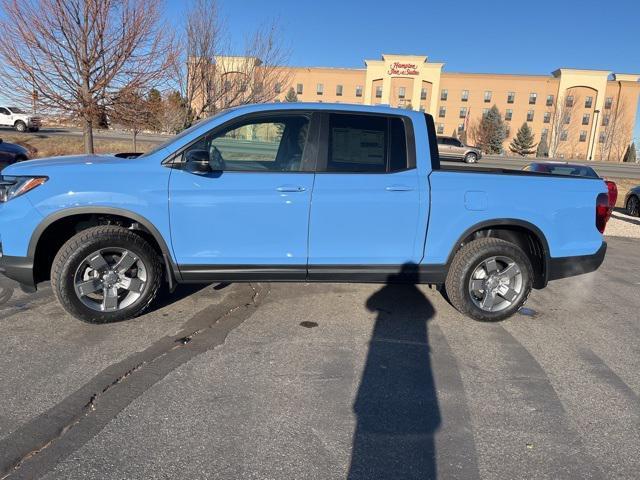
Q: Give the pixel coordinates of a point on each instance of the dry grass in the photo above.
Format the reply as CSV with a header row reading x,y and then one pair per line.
x,y
42,145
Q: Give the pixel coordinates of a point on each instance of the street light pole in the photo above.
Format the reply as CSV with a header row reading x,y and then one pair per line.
x,y
594,130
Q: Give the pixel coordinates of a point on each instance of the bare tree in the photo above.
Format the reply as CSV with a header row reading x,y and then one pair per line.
x,y
615,131
218,76
561,124
131,110
77,55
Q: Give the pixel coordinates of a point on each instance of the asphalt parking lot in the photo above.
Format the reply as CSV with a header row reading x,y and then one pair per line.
x,y
328,381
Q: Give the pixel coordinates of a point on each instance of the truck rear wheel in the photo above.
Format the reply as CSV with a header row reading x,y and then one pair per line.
x,y
489,279
106,274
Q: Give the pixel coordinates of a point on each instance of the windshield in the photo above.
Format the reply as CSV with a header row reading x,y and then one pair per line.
x,y
182,134
16,110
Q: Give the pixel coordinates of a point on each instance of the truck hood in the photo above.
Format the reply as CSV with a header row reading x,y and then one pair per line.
x,y
44,166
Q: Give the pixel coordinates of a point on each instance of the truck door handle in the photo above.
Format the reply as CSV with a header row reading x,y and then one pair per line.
x,y
290,188
398,188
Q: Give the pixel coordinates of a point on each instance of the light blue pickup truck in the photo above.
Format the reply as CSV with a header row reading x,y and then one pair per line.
x,y
294,193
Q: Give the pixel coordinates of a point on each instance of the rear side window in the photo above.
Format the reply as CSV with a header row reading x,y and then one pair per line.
x,y
366,144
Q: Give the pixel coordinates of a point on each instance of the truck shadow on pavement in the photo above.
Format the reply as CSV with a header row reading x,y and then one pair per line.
x,y
396,405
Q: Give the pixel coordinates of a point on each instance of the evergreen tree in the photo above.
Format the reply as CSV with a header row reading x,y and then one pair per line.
x,y
291,96
491,132
523,144
543,147
630,154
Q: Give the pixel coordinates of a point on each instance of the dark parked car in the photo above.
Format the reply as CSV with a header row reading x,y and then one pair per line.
x,y
575,170
632,201
11,153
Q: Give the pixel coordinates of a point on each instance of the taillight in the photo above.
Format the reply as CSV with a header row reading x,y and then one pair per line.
x,y
603,211
613,192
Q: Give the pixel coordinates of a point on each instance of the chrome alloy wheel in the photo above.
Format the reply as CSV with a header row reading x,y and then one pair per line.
x,y
110,279
496,284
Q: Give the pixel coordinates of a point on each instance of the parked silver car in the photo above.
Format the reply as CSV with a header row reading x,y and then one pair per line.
x,y
451,148
632,201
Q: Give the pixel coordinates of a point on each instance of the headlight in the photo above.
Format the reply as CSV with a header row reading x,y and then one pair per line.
x,y
11,187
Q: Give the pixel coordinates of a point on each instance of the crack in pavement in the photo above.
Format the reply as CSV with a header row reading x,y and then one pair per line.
x,y
41,443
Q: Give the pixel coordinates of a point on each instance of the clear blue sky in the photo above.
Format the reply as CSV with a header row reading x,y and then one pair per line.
x,y
467,35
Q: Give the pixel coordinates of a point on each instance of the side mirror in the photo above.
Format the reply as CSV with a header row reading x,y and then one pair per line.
x,y
197,161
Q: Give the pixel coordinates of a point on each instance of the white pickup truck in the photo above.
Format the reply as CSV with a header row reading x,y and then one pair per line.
x,y
19,119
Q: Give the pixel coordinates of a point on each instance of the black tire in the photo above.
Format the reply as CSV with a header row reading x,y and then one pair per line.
x,y
465,262
74,252
633,206
470,158
20,126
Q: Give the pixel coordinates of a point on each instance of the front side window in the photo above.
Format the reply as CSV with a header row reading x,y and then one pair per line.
x,y
366,144
261,145
4,111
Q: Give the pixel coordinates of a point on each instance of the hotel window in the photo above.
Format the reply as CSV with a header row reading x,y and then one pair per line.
x,y
338,90
402,91
358,90
608,102
546,118
569,101
422,109
278,87
442,112
441,128
588,102
549,100
583,135
444,94
532,98
465,95
511,97
299,89
507,130
487,96
585,118
563,135
460,127
602,137
227,85
508,114
530,116
378,92
423,94
545,132
320,89
605,120
485,111
567,119
463,112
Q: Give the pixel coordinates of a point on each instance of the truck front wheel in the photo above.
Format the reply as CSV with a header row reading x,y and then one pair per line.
x,y
20,126
106,274
489,279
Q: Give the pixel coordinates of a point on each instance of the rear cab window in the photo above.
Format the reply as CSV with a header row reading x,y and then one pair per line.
x,y
359,143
